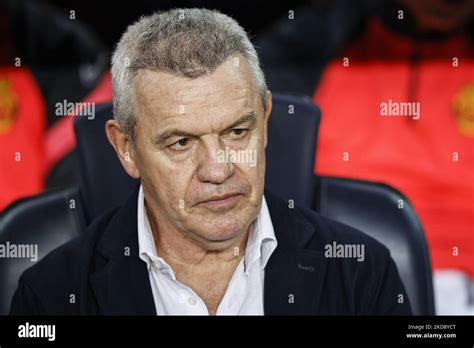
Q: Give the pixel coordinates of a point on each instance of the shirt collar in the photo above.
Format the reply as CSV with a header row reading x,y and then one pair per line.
x,y
146,242
261,241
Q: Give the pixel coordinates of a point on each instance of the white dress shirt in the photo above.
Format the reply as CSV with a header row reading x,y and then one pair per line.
x,y
244,294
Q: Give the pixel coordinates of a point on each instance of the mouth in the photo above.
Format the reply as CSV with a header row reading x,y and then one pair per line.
x,y
221,203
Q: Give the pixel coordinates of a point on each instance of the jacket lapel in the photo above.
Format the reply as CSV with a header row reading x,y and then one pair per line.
x,y
122,286
294,275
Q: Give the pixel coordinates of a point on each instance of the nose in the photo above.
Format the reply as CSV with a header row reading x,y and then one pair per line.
x,y
214,166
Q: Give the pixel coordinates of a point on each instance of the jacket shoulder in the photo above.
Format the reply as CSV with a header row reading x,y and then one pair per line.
x,y
323,230
330,231
365,264
357,267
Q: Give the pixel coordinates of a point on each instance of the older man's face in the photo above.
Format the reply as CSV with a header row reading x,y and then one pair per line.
x,y
200,150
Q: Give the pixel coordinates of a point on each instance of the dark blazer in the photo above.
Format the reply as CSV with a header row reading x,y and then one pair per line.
x,y
100,271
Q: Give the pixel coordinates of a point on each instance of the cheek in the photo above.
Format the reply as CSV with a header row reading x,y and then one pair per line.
x,y
170,181
173,185
254,170
260,155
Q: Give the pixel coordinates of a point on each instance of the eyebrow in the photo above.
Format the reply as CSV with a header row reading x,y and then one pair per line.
x,y
173,132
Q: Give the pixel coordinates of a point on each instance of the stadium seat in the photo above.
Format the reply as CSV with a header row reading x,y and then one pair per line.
x,y
386,215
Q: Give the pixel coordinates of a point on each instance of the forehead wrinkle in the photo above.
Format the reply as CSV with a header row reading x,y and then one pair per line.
x,y
203,106
226,76
194,91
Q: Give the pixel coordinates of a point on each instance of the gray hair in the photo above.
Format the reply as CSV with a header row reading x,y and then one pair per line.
x,y
186,42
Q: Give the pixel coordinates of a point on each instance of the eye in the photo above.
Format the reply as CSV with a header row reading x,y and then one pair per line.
x,y
181,144
238,133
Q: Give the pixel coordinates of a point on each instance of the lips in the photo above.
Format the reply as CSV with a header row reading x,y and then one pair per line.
x,y
219,198
222,202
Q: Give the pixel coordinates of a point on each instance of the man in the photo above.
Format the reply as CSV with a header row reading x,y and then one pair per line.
x,y
199,236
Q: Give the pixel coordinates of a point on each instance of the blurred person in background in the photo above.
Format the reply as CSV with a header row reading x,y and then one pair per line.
x,y
47,57
395,82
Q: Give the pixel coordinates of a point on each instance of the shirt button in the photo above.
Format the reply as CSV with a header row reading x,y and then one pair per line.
x,y
192,301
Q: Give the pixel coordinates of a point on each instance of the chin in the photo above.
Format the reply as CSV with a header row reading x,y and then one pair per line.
x,y
223,225
221,229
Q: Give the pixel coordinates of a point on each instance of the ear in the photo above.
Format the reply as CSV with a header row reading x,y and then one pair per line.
x,y
123,147
268,111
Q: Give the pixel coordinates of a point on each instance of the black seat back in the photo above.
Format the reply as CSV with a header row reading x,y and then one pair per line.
x,y
385,214
44,221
